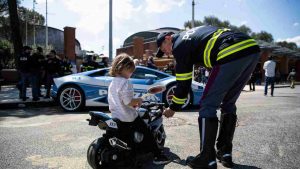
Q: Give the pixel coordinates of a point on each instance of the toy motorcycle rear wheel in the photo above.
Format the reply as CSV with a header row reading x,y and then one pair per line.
x,y
94,154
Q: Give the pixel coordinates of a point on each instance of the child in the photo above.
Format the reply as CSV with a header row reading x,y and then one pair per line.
x,y
122,106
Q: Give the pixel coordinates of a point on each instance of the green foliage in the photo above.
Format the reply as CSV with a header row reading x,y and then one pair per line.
x,y
5,44
290,45
25,16
188,24
4,6
6,57
263,35
214,21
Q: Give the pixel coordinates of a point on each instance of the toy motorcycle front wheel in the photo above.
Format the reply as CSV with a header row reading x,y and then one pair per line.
x,y
160,137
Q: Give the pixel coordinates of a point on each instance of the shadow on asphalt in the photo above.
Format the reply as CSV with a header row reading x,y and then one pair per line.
x,y
28,112
174,159
286,96
239,166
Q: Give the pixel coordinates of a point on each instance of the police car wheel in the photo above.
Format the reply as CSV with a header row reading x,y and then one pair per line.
x,y
169,93
71,98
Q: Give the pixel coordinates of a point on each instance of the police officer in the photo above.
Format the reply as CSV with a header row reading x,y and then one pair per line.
x,y
89,64
25,64
66,66
37,69
53,69
170,69
232,57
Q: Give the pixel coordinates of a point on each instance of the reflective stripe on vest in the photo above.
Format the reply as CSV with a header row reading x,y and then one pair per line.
x,y
235,48
209,45
184,76
178,101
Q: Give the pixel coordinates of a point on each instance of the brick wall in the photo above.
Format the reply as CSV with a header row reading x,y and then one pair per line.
x,y
69,42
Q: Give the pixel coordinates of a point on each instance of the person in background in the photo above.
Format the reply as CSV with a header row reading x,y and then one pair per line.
x,y
89,64
24,70
170,69
136,62
35,71
66,66
38,68
206,75
292,77
269,67
258,74
53,69
150,63
1,67
105,61
253,79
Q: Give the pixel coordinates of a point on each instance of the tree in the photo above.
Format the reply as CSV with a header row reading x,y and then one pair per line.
x,y
214,21
15,27
263,35
245,29
30,16
25,15
5,54
290,45
188,24
3,6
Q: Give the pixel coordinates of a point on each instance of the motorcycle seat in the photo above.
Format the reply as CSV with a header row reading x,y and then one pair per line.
x,y
99,116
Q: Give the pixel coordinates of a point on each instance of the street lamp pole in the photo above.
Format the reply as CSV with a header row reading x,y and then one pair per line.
x,y
193,13
26,20
46,31
34,2
193,25
110,30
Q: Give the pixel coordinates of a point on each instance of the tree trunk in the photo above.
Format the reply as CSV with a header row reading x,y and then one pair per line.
x,y
15,29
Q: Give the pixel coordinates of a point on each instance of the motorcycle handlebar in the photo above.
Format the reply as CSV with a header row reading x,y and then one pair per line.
x,y
151,104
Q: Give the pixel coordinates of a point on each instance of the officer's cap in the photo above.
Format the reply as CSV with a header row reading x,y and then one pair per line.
x,y
160,39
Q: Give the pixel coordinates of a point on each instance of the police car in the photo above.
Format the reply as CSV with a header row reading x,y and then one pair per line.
x,y
74,92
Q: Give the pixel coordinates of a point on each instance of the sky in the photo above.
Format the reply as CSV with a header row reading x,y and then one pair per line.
x,y
281,18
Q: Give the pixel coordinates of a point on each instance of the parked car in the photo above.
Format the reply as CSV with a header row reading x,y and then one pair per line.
x,y
74,92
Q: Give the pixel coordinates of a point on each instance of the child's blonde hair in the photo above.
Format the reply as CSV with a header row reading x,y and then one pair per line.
x,y
122,62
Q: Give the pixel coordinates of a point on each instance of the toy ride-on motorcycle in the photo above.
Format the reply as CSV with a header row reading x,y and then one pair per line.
x,y
109,151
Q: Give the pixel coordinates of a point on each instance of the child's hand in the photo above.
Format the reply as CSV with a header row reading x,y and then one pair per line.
x,y
136,102
139,102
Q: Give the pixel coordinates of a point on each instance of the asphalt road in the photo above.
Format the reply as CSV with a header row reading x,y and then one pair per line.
x,y
267,135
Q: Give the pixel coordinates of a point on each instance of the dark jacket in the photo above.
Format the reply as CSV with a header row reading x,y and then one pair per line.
x,y
207,46
37,62
24,63
66,67
90,65
53,65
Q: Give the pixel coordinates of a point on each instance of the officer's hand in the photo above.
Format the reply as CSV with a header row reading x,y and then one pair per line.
x,y
168,112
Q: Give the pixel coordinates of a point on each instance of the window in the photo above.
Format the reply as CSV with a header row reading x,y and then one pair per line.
x,y
140,73
103,72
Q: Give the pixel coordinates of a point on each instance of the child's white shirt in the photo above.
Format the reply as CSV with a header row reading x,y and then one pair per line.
x,y
120,94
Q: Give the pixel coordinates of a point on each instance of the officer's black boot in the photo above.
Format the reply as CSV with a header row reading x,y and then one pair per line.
x,y
208,128
224,141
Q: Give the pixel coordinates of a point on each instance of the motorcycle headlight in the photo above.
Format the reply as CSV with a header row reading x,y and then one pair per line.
x,y
138,137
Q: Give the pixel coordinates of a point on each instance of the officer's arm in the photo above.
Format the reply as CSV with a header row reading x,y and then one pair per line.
x,y
184,74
